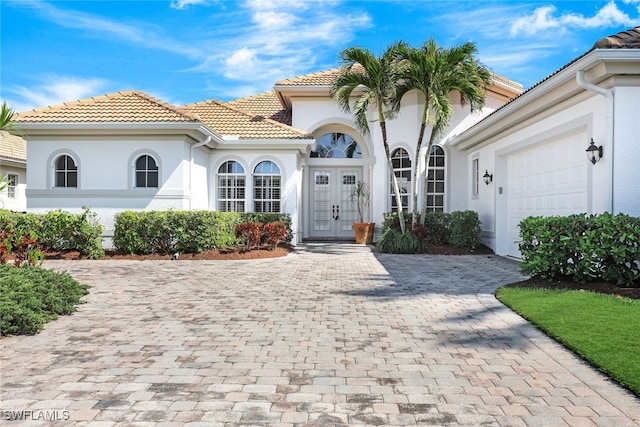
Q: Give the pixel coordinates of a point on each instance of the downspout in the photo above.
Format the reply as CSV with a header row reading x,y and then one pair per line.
x,y
191,161
609,142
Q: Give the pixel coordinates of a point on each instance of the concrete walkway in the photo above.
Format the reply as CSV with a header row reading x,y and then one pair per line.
x,y
329,335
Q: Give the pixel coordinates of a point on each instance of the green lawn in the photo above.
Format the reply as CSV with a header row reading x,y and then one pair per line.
x,y
605,330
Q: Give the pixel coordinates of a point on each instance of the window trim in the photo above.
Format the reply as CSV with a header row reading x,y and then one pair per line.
x,y
54,170
408,194
237,200
435,181
475,177
13,180
146,171
270,201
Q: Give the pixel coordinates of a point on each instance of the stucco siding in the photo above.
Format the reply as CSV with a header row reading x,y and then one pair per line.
x,y
626,151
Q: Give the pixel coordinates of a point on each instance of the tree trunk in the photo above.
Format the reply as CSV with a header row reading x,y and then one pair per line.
x,y
394,179
414,216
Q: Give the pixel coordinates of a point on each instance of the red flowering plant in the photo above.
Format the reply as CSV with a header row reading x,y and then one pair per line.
x,y
24,250
276,233
250,234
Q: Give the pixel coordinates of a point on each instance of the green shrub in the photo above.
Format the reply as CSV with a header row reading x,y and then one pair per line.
x,y
582,248
173,231
30,297
464,229
395,242
459,228
437,227
59,230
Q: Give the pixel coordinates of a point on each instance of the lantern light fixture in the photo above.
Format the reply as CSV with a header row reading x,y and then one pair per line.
x,y
594,153
487,177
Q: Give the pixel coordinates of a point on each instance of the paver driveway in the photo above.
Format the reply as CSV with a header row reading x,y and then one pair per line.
x,y
329,335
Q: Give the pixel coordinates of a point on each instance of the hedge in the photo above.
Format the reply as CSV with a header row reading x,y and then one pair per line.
x,y
171,231
458,228
58,230
582,247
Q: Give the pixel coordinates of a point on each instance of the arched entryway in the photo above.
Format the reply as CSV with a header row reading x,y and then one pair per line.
x,y
333,167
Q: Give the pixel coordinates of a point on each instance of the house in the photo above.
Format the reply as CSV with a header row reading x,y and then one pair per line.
x,y
293,150
13,170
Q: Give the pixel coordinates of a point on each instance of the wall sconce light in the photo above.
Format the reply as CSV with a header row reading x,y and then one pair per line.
x,y
594,153
487,177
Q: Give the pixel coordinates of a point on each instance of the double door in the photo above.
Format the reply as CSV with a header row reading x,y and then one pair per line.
x,y
333,210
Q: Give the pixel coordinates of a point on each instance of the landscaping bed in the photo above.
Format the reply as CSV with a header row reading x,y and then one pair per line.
x,y
599,287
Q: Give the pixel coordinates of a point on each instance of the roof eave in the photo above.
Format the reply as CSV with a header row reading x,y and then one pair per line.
x,y
236,143
196,130
480,132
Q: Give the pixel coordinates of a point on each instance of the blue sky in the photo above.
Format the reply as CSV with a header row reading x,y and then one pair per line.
x,y
184,51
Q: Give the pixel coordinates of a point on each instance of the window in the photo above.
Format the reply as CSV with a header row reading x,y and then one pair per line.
x,y
66,172
266,187
402,168
435,180
146,172
475,177
12,185
231,187
337,146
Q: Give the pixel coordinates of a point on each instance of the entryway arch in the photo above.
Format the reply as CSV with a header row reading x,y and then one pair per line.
x,y
333,166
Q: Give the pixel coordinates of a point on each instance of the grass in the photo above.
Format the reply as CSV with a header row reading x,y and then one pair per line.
x,y
602,329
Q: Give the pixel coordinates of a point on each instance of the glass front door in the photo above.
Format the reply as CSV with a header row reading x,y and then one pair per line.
x,y
332,209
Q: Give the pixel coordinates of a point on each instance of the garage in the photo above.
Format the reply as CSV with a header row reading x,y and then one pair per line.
x,y
544,180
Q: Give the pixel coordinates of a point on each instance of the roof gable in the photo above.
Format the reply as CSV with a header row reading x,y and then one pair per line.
x,y
225,119
266,104
119,107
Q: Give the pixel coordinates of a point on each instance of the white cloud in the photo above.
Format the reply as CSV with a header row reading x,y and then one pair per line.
x,y
544,18
183,4
55,90
97,26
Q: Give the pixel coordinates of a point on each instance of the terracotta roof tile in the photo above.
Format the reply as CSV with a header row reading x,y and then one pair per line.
x,y
225,119
266,104
629,39
12,147
120,107
321,78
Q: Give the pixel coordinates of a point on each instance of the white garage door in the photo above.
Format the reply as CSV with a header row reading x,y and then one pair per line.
x,y
545,180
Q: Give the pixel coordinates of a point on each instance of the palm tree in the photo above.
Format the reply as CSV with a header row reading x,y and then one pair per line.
x,y
436,72
375,79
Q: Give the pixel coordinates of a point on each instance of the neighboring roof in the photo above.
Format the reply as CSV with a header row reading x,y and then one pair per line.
x,y
629,39
120,107
266,104
12,147
227,120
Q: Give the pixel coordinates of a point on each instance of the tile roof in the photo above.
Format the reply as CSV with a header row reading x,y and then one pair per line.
x,y
266,104
119,107
629,39
321,78
12,147
225,119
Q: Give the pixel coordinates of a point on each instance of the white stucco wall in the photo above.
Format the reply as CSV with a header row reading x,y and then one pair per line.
x,y
106,176
626,151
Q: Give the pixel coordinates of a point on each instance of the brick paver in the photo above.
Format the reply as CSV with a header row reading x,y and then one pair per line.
x,y
333,334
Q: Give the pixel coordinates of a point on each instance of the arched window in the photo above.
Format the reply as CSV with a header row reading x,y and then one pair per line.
x,y
266,187
402,168
66,172
146,172
435,180
231,187
337,146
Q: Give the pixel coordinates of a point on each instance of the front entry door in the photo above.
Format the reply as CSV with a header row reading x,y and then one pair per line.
x,y
332,210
